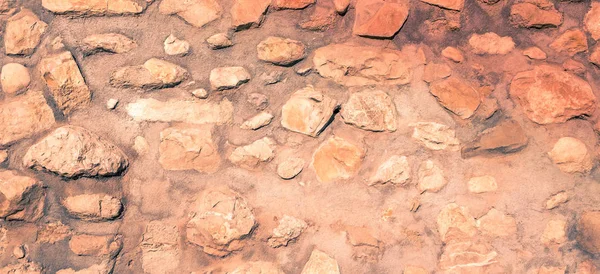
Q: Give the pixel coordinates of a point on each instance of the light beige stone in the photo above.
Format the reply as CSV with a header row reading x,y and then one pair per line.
x,y
176,46
24,117
491,43
320,262
195,12
289,229
23,197
192,112
571,155
258,121
107,42
395,170
250,156
482,184
372,110
63,78
185,147
290,167
23,33
307,111
228,77
337,159
14,78
153,74
93,207
431,177
435,136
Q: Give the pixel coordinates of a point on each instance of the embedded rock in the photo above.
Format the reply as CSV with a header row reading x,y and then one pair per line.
x,y
292,4
468,256
555,232
377,18
95,7
497,224
95,245
506,137
395,170
337,159
259,120
192,112
22,197
289,229
571,155
219,41
455,223
185,147
482,184
258,267
556,200
435,136
571,42
457,95
434,72
23,33
308,111
320,262
107,42
321,19
160,248
24,117
228,77
93,207
176,46
281,51
290,168
154,74
250,156
535,53
248,13
447,4
588,231
14,78
453,54
591,20
431,177
370,110
491,43
195,12
535,14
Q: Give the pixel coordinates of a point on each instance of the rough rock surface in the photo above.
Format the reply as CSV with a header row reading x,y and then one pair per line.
x,y
571,155
24,117
496,223
376,18
431,177
320,262
93,207
491,43
337,159
23,33
555,232
160,248
454,222
195,12
571,42
22,197
370,110
289,229
95,7
228,77
193,112
482,184
250,156
395,170
457,95
248,13
107,42
185,147
153,74
535,14
308,111
435,136
280,51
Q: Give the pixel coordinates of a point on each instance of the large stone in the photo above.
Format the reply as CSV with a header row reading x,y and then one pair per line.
x,y
24,117
571,155
72,151
23,33
107,42
248,13
258,267
548,94
571,42
447,4
228,77
457,95
14,78
65,82
281,51
370,110
22,197
308,111
95,7
320,263
491,43
292,4
455,223
361,65
431,177
221,219
337,159
506,137
95,245
289,229
93,207
192,112
154,74
535,14
496,223
395,170
195,12
250,156
588,231
185,147
378,18
591,21
435,136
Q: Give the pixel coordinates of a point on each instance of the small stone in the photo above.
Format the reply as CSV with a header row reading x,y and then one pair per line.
x,y
248,13
228,77
176,46
111,103
289,229
556,200
153,74
482,184
273,77
320,262
535,14
259,101
395,170
571,155
95,245
434,72
186,147
192,112
535,53
555,232
250,156
200,93
431,177
219,41
303,69
572,41
19,252
457,95
290,168
140,145
281,51
371,110
505,137
454,222
93,207
22,197
491,43
259,120
23,33
447,4
308,111
195,12
588,231
337,159
14,78
24,117
435,136
497,224
107,42
453,54
381,19
591,20
292,4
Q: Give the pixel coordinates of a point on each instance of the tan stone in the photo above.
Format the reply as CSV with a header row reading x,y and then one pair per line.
x,y
154,74
195,12
571,155
535,14
556,200
104,267
22,268
372,110
307,111
23,197
65,82
482,184
588,231
457,95
431,177
107,42
491,43
321,19
95,245
185,147
455,222
447,4
248,13
555,232
395,170
53,232
377,18
577,67
496,223
320,262
95,7
192,112
289,229
258,267
140,145
434,72
93,207
435,136
290,168
505,137
14,78
471,256
341,6
415,270
546,269
337,159
280,51
24,117
258,121
250,156
228,77
591,21
292,4
535,53
176,46
219,41
453,54
571,42
23,33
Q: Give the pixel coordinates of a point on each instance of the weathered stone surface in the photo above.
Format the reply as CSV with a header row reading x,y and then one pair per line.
x,y
104,267
535,53
337,159
308,111
556,200
496,223
377,18
365,246
192,112
22,268
588,231
95,7
292,4
219,41
176,46
457,95
154,74
107,42
160,248
95,245
23,33
53,232
320,262
482,184
290,168
93,207
250,156
435,136
228,77
447,4
221,220
14,78
571,155
281,51
65,82
469,256
547,94
289,229
453,54
370,110
23,117
185,147
22,197
321,19
491,43
257,121
395,170
72,151
360,65
248,13
455,223
571,42
258,267
195,12
431,177
434,72
591,21
555,232
506,137
535,14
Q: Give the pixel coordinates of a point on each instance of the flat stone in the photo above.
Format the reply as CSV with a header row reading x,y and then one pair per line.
x,y
372,110
455,223
431,177
456,95
153,74
195,12
281,51
467,256
505,137
435,136
95,245
248,13
491,43
591,21
447,4
200,93
258,121
556,200
555,232
175,46
93,207
308,111
14,78
395,170
289,229
453,54
250,156
378,18
292,4
228,77
482,184
571,42
23,33
337,159
105,266
496,223
588,231
535,53
107,42
571,155
186,147
192,112
23,197
434,72
95,7
290,168
219,41
535,14
320,262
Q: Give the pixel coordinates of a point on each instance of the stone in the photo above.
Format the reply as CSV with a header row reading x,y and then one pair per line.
x,y
381,19
140,145
482,184
250,156
22,268
337,159
53,232
577,67
221,220
272,77
571,42
192,112
195,12
365,246
453,54
457,95
308,111
435,136
19,252
341,6
548,95
290,167
72,151
447,4
7,6
571,155
63,78
491,43
200,93
107,42
104,267
219,41
546,269
556,200
351,65
95,245
395,170
591,21
415,270
259,267
434,72
259,101
535,53
112,103
14,78
292,4
535,14
321,19
455,223
153,74
431,177
496,223
320,262
160,248
96,7
248,13
228,77
175,46
372,110
588,231
3,156
93,207
258,121
506,137
289,229
281,51
23,33
186,147
23,197
468,256
555,232
586,267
